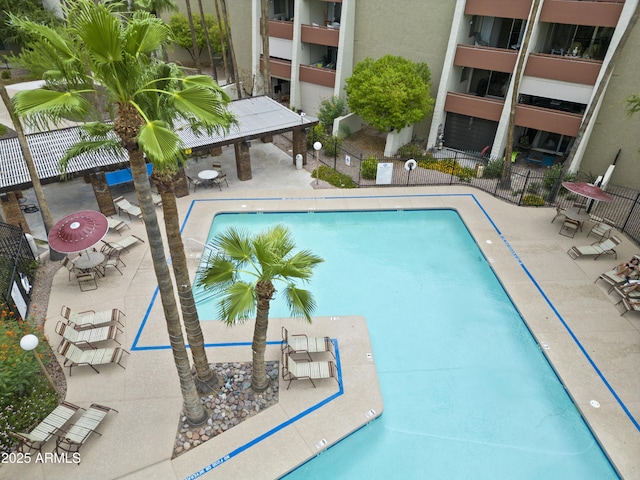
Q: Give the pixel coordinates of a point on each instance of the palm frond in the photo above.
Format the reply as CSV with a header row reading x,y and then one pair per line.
x,y
145,33
161,145
219,273
300,265
300,302
41,106
45,34
111,147
99,30
235,244
203,105
238,303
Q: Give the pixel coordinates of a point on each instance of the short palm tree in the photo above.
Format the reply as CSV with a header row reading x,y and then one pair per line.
x,y
242,273
150,98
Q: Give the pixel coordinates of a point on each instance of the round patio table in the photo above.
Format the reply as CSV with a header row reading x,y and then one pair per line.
x,y
576,214
88,260
207,176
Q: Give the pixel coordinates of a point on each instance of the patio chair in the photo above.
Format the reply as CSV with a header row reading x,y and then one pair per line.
x,y
87,281
219,179
195,183
602,229
47,428
75,436
117,225
68,264
124,205
303,370
597,249
90,336
75,356
110,247
157,199
91,318
300,343
569,227
559,213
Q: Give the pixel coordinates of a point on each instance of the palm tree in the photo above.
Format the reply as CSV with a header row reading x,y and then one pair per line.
x,y
234,64
150,97
47,219
222,32
266,59
265,258
196,50
207,40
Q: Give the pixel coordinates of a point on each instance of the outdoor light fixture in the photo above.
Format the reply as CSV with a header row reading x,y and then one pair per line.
x,y
317,146
29,343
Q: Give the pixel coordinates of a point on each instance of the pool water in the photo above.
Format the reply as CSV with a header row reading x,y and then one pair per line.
x,y
467,392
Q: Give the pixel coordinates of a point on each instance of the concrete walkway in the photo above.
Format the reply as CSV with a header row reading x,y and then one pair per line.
x,y
594,350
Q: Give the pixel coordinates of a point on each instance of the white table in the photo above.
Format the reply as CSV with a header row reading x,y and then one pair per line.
x,y
207,176
88,260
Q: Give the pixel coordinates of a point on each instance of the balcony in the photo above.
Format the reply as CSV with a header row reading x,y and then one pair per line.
x,y
593,13
548,120
318,76
281,29
491,8
563,68
320,35
486,58
473,106
278,68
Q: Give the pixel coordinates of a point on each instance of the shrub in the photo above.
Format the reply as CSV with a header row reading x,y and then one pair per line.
x,y
332,145
494,168
450,166
330,109
6,74
316,135
534,187
334,177
369,168
411,150
533,200
552,174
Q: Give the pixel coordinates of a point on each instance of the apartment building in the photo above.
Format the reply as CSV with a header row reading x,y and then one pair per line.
x,y
472,48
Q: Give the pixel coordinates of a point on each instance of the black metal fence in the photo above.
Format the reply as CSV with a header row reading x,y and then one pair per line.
x,y
17,268
525,185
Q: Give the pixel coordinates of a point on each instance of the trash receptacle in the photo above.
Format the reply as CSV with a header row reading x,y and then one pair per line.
x,y
479,170
299,161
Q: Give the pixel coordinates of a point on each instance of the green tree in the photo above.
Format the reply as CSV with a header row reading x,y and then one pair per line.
x,y
150,97
330,109
181,30
31,9
243,273
390,93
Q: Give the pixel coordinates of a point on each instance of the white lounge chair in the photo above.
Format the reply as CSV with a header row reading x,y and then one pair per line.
x,y
47,428
89,336
77,434
117,225
597,249
110,247
303,370
124,205
300,343
74,356
91,318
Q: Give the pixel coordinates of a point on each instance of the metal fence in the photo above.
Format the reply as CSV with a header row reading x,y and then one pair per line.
x,y
17,268
525,186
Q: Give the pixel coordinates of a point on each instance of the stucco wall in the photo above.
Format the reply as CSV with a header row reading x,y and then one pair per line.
x,y
614,129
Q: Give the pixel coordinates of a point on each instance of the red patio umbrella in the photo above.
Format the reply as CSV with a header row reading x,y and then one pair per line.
x,y
78,231
587,190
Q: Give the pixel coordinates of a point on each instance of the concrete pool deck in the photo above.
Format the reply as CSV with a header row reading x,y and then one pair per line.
x,y
595,351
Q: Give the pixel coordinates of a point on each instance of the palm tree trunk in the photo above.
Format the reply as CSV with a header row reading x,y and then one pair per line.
x,y
194,41
234,64
588,115
207,40
47,219
505,181
259,379
127,127
222,32
265,47
206,378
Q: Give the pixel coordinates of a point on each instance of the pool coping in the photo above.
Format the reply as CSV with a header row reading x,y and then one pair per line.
x,y
567,286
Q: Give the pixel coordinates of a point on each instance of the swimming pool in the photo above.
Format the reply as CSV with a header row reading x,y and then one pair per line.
x,y
467,391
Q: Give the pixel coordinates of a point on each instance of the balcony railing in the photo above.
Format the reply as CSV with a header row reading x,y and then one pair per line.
x,y
491,8
564,68
548,120
278,68
281,29
320,35
318,76
596,13
473,106
486,58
